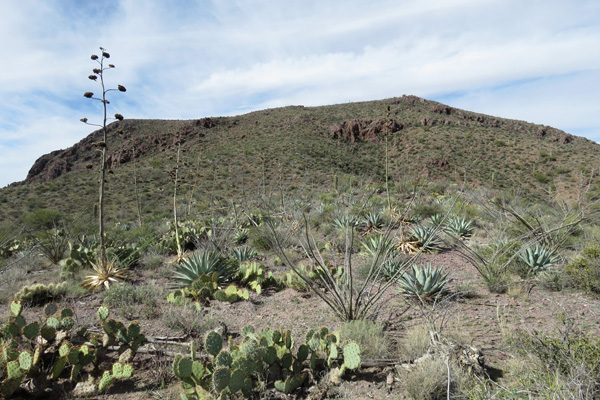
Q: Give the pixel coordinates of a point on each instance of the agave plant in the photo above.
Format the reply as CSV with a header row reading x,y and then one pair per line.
x,y
460,227
204,263
436,219
240,237
391,268
244,254
538,259
426,237
373,222
105,274
345,221
378,244
423,282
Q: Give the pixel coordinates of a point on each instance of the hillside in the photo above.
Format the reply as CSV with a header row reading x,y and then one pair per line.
x,y
290,272
299,148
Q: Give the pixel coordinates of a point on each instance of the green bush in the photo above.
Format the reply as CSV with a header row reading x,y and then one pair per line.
x,y
369,335
132,301
584,272
565,362
425,210
541,177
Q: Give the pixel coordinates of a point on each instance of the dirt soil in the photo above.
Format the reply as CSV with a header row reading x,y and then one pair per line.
x,y
479,317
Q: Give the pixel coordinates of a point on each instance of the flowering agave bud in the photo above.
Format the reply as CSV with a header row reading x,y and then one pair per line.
x,y
105,54
119,117
121,88
111,65
84,120
97,70
94,57
88,95
93,77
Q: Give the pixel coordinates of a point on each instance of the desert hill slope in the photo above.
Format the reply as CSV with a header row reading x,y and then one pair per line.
x,y
299,148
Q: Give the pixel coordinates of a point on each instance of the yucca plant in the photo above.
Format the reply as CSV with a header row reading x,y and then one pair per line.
x,y
538,259
204,263
423,282
460,227
104,275
427,238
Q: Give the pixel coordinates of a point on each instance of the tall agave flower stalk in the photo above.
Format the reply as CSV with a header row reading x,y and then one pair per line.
x,y
98,76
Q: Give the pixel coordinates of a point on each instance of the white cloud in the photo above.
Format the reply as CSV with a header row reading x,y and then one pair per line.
x,y
534,60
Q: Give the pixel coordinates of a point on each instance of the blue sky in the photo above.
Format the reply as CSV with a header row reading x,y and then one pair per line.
x,y
531,60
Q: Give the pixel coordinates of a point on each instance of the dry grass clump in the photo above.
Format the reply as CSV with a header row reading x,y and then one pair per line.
x,y
425,381
414,343
188,320
373,341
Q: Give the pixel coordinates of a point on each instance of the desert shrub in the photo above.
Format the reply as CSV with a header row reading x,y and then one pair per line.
x,y
414,343
427,381
127,255
552,279
369,335
151,261
132,301
584,272
425,210
569,359
541,177
188,320
47,229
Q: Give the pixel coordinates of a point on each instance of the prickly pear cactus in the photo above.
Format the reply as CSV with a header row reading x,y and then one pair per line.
x,y
351,355
290,384
265,354
213,343
42,352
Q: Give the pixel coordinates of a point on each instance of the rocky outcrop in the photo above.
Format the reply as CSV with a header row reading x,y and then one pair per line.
x,y
361,130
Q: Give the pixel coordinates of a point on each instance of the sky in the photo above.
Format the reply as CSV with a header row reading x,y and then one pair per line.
x,y
531,60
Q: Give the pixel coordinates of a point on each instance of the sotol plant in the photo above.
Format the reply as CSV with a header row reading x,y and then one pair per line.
x,y
98,76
